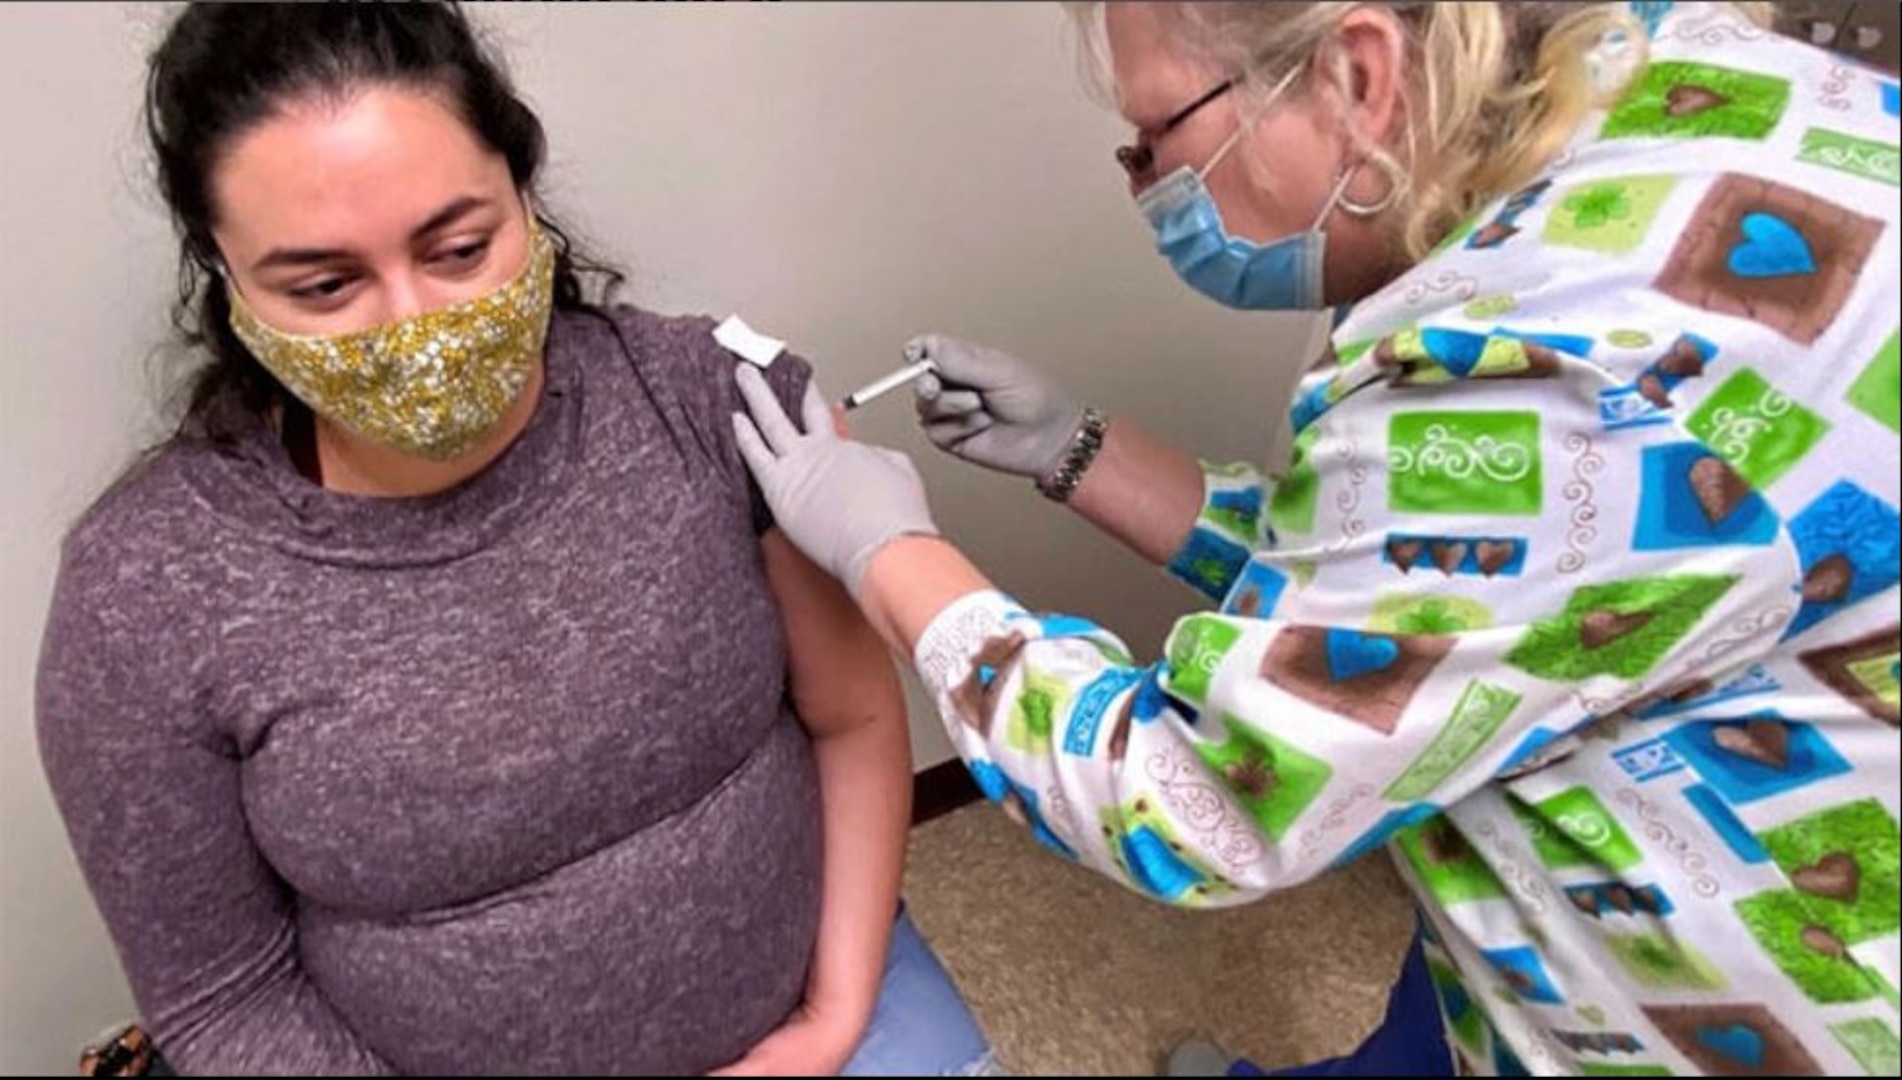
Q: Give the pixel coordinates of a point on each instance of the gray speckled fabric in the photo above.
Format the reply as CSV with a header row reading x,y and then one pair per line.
x,y
500,780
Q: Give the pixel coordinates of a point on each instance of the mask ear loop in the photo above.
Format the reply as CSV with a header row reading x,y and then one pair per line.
x,y
1336,197
1248,124
220,272
532,219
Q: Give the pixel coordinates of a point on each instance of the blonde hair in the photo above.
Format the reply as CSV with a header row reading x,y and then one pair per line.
x,y
1493,92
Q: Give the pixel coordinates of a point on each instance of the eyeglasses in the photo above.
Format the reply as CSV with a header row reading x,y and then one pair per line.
x,y
1139,158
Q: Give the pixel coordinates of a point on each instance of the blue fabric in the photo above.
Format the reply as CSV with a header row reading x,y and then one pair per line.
x,y
1411,1041
920,1026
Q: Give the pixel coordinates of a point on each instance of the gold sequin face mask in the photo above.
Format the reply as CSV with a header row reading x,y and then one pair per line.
x,y
432,385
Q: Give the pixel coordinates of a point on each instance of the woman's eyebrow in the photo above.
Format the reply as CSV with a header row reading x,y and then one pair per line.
x,y
454,211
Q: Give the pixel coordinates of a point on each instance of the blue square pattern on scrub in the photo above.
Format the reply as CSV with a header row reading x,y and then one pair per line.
x,y
1525,972
1257,592
1742,767
1728,827
1670,515
1857,532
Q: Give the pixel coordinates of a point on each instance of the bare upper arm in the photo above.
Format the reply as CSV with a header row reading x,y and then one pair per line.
x,y
840,672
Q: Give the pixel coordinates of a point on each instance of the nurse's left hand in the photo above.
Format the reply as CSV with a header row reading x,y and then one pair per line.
x,y
837,500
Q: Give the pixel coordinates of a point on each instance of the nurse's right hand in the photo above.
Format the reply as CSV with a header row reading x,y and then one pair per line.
x,y
992,409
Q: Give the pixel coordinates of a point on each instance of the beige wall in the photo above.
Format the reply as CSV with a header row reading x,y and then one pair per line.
x,y
843,175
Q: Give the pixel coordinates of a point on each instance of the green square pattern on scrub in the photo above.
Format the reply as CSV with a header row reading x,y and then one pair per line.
x,y
1465,463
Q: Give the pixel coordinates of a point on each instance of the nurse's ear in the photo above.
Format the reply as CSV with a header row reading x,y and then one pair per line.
x,y
1361,69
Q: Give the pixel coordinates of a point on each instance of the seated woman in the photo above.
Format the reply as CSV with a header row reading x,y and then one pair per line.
x,y
441,699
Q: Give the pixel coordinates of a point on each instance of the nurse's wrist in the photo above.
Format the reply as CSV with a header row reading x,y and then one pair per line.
x,y
908,582
1143,492
1060,480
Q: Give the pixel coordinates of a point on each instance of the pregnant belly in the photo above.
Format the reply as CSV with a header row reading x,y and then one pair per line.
x,y
669,952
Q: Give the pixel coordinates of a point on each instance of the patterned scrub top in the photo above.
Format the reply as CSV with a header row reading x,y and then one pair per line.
x,y
1579,594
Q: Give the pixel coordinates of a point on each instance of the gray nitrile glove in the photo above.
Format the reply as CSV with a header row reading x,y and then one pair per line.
x,y
992,409
837,500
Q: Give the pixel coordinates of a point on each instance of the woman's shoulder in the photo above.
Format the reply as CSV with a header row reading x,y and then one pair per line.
x,y
127,557
674,355
128,628
669,339
147,512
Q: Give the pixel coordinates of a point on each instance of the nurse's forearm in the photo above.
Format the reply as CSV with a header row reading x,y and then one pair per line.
x,y
1141,491
910,582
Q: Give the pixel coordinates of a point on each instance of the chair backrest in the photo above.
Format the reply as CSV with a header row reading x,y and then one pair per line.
x,y
126,1051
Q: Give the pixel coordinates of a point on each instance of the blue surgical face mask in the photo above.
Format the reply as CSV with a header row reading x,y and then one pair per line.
x,y
1281,276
